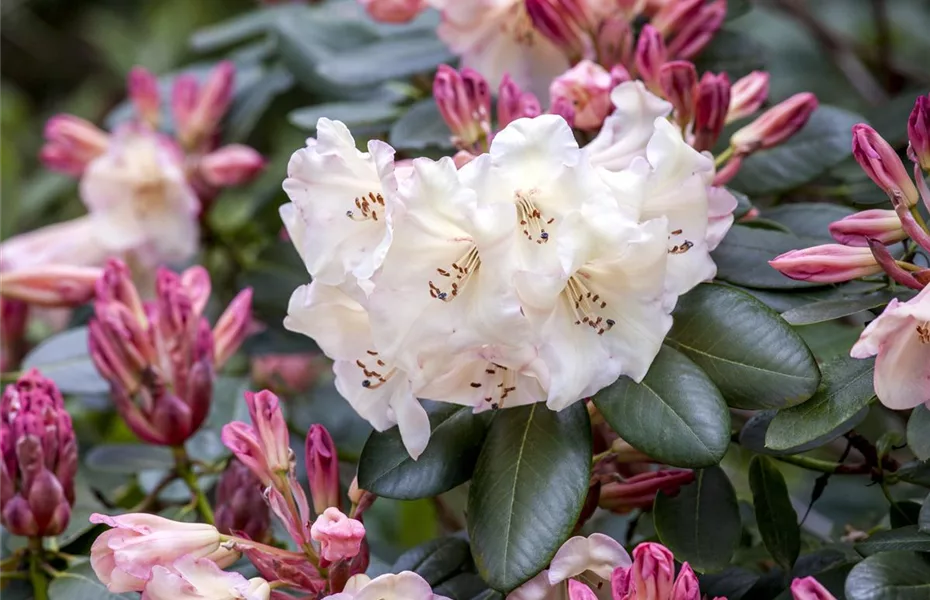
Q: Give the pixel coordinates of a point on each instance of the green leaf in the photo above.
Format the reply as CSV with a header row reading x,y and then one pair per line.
x,y
756,360
743,258
733,52
896,575
778,523
675,415
80,583
238,29
64,358
128,459
250,105
386,468
273,278
904,513
421,127
923,519
435,561
743,204
390,58
824,142
808,219
828,310
463,586
527,490
846,388
918,432
352,113
701,524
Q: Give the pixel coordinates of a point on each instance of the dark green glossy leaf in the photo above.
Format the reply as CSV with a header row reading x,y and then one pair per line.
x,y
238,29
904,513
352,113
896,575
918,432
808,219
743,204
752,435
701,524
273,278
916,472
65,359
250,105
128,459
743,258
527,491
732,583
675,415
463,586
435,561
923,519
421,127
390,58
829,310
756,360
386,468
824,142
733,52
778,523
80,583
846,388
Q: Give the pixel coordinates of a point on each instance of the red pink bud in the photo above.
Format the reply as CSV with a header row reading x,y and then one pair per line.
x,y
672,16
286,373
144,95
13,317
563,22
211,105
51,285
614,42
775,125
339,536
881,163
747,95
513,103
232,327
587,87
240,506
830,263
464,101
678,81
890,265
71,143
263,446
196,281
650,55
322,469
876,224
183,100
565,109
579,591
393,11
639,491
918,132
710,110
291,568
809,588
696,32
231,165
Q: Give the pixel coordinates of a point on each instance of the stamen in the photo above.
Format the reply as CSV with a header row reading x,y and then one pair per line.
x,y
531,219
682,247
366,207
923,332
460,272
374,379
586,305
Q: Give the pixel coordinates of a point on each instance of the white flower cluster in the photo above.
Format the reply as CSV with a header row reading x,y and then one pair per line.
x,y
540,271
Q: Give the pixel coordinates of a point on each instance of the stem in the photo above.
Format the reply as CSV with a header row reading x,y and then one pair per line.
x,y
724,156
39,581
824,466
183,467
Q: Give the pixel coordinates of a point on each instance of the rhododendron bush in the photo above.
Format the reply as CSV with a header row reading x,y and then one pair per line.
x,y
468,300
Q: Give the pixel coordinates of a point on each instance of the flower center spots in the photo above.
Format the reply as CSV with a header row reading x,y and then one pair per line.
x,y
366,207
681,248
375,370
456,276
587,307
923,332
498,383
532,220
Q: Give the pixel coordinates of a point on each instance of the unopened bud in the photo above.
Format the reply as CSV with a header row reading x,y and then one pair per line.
x,y
196,281
286,373
639,491
650,55
775,125
340,537
231,165
13,316
883,166
361,499
618,75
829,263
232,327
809,588
710,109
747,95
143,92
55,286
918,132
679,82
240,506
672,16
212,102
697,32
71,143
565,109
464,101
586,86
614,42
393,11
183,100
322,469
513,103
877,224
889,264
686,585
563,22
653,570
579,591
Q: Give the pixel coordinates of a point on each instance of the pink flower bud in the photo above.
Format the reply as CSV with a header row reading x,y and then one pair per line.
x,y
881,163
13,316
340,537
579,591
747,95
202,579
289,503
144,94
650,55
809,588
565,109
393,11
71,143
877,224
614,42
232,327
123,557
587,87
264,445
361,499
211,105
775,125
286,373
890,265
653,571
618,75
639,491
513,103
183,100
39,459
196,281
51,285
291,568
679,82
686,585
710,109
322,469
231,165
830,263
918,132
464,102
697,32
240,505
563,22
672,16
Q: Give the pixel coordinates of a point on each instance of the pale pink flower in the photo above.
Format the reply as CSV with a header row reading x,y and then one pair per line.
x,y
339,536
393,11
405,585
808,588
189,578
587,87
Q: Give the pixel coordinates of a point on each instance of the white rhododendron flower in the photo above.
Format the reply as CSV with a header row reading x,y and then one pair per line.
x,y
405,585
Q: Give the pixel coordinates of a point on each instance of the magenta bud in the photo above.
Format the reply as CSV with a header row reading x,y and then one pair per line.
x,y
686,585
212,102
653,571
231,165
679,82
264,446
614,42
53,286
650,55
339,536
13,317
876,224
513,103
639,491
196,280
565,109
393,11
775,125
698,31
618,75
890,265
144,94
579,591
830,263
71,143
809,588
232,327
672,16
464,101
918,132
710,109
291,568
184,94
881,163
747,95
563,22
240,505
586,86
322,469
